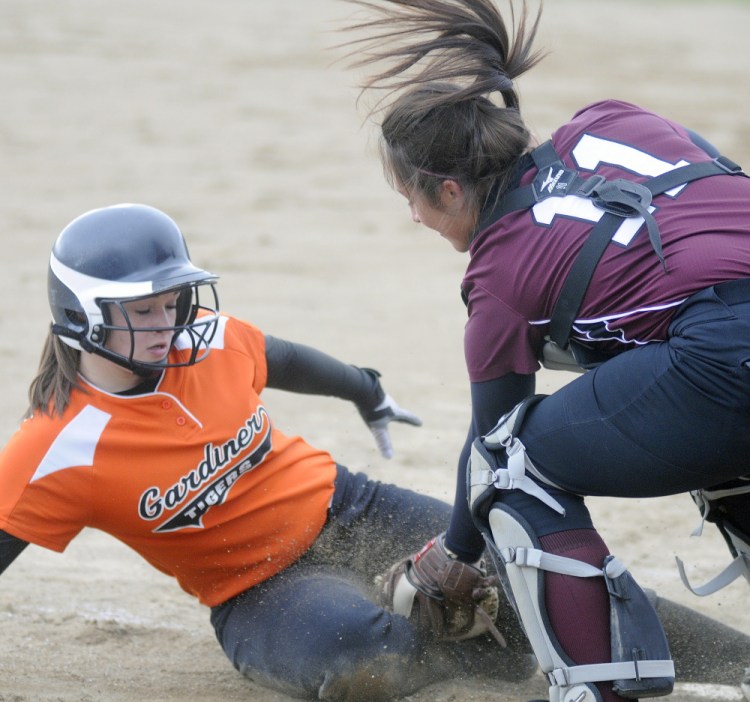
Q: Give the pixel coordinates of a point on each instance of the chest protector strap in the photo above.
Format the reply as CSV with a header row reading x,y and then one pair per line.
x,y
619,198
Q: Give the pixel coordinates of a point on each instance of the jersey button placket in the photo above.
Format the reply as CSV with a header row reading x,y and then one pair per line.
x,y
180,420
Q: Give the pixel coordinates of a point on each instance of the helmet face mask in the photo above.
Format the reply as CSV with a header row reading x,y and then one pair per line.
x,y
114,255
193,330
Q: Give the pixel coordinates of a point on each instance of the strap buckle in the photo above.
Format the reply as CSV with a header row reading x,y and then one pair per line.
x,y
726,164
590,185
621,197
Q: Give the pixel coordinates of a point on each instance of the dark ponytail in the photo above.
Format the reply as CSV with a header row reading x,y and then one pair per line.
x,y
447,62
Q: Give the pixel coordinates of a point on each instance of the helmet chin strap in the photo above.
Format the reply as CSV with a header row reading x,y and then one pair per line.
x,y
142,370
60,330
145,371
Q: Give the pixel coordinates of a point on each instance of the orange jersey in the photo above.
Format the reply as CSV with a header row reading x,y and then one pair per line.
x,y
193,476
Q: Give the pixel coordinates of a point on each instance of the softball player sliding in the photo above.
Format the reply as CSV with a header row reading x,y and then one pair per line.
x,y
621,246
146,422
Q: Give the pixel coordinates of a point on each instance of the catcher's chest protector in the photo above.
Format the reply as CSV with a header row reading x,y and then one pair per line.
x,y
620,199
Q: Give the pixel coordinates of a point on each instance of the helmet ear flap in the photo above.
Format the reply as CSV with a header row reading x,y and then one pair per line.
x,y
77,319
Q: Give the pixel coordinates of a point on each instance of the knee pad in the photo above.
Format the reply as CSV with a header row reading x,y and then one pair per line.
x,y
486,474
709,503
641,663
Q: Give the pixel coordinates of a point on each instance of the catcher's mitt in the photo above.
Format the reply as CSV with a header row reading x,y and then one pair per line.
x,y
444,597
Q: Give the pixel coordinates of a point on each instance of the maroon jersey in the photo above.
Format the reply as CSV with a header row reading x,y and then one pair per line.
x,y
519,263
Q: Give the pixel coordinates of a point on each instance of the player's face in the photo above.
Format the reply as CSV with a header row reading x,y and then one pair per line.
x,y
451,218
155,316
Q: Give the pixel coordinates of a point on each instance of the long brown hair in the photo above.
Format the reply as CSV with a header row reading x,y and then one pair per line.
x,y
56,377
446,60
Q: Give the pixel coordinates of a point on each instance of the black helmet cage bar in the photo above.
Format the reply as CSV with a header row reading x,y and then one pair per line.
x,y
194,330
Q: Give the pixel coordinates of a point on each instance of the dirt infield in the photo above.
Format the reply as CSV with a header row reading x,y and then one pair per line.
x,y
233,117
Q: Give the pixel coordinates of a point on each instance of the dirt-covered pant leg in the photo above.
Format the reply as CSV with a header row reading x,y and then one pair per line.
x,y
314,635
372,524
313,631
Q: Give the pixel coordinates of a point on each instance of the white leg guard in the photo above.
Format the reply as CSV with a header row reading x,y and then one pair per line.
x,y
641,667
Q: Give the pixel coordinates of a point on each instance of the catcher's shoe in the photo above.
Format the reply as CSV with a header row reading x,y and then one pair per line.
x,y
443,596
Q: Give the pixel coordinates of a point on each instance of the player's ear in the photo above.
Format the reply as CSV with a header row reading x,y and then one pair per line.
x,y
451,194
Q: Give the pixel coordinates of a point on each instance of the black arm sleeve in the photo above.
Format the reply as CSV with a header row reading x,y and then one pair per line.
x,y
302,369
10,547
489,401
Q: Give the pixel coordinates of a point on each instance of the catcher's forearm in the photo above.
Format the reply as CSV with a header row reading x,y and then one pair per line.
x,y
489,401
